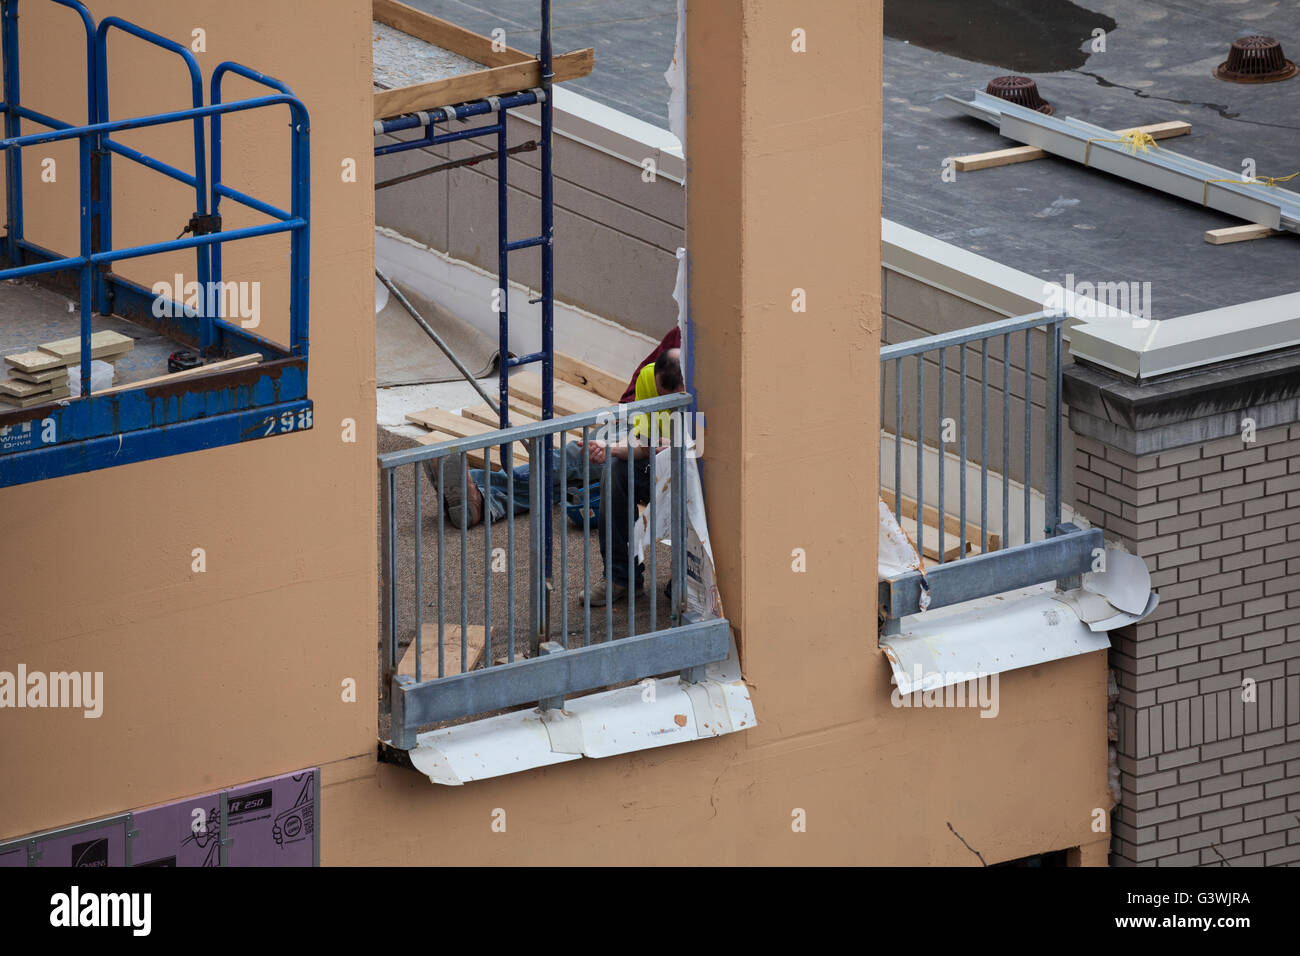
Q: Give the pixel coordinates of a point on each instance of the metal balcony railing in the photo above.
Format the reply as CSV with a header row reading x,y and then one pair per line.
x,y
939,389
485,660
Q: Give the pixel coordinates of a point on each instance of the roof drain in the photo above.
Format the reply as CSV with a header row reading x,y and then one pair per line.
x,y
1255,59
1020,90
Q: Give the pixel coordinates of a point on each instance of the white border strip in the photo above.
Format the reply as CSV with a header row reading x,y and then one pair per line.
x,y
1124,343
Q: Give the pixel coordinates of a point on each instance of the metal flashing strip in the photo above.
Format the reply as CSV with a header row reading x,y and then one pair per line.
x,y
1191,341
1099,148
604,724
984,282
940,650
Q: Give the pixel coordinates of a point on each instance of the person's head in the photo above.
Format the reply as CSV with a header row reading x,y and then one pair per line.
x,y
668,373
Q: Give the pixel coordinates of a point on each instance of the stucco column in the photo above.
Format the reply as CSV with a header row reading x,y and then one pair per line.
x,y
783,230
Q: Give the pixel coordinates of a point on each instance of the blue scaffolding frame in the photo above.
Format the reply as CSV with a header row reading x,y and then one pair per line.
x,y
137,424
501,105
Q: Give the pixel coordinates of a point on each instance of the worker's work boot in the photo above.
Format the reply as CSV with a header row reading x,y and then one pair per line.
x,y
457,498
599,597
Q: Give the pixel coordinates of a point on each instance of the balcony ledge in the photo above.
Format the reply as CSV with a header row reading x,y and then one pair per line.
x,y
598,725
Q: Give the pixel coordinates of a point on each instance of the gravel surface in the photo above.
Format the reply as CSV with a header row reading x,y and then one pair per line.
x,y
476,580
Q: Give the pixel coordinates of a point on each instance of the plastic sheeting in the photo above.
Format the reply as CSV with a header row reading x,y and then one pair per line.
x,y
702,599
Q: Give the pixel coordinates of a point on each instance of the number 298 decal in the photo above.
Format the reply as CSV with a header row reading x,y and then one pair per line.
x,y
289,421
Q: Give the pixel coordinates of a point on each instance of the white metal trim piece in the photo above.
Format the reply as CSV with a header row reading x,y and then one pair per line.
x,y
953,645
1191,341
599,725
986,283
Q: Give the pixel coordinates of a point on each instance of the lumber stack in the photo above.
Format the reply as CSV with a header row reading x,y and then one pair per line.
x,y
41,375
578,388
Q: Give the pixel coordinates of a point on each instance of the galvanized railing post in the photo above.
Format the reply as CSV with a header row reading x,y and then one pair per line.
x,y
404,689
388,576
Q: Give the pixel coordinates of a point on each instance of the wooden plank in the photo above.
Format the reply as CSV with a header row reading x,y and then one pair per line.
x,y
35,361
521,413
476,644
442,33
101,344
20,389
57,374
457,426
929,538
225,365
41,399
476,86
476,457
1221,237
579,373
569,399
951,522
1023,154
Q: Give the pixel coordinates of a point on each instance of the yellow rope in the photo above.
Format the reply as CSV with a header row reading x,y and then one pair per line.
x,y
1134,141
1257,181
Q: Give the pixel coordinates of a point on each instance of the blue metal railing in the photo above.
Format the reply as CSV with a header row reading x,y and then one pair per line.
x,y
1060,551
496,675
96,145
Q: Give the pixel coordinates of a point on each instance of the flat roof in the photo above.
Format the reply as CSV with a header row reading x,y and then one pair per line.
x,y
1052,217
633,40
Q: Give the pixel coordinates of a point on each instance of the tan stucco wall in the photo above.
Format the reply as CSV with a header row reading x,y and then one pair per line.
x,y
784,192
234,674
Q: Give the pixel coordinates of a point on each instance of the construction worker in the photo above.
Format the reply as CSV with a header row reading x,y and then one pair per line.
x,y
664,377
494,487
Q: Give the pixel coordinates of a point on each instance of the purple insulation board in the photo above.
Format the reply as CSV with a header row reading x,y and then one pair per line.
x,y
94,846
181,833
13,856
273,822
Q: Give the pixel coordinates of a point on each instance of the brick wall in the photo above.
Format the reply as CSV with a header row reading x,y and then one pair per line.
x,y
1207,776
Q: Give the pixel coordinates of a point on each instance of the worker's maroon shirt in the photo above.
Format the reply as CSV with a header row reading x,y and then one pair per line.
x,y
673,340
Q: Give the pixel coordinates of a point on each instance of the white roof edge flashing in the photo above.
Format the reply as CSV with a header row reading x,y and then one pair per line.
x,y
1191,341
604,724
1004,632
986,638
1098,333
611,131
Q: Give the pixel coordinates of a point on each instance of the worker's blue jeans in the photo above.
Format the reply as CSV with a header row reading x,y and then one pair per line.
x,y
496,486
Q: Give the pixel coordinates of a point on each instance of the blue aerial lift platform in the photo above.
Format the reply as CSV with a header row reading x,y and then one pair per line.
x,y
85,431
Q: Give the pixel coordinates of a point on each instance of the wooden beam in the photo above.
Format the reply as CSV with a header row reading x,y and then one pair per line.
x,y
56,374
569,399
480,85
929,539
522,413
457,426
1023,154
476,457
41,399
101,344
475,645
225,365
579,373
35,361
951,522
20,389
1221,237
